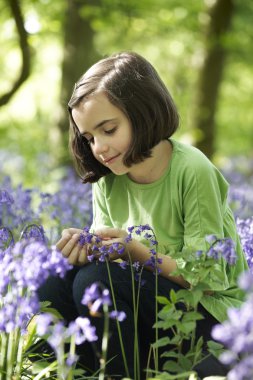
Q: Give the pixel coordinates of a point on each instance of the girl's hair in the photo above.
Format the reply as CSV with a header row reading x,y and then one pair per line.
x,y
132,84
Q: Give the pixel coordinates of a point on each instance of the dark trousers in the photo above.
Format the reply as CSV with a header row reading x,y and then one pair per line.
x,y
66,294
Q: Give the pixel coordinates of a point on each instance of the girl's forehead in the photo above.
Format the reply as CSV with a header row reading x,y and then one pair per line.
x,y
94,111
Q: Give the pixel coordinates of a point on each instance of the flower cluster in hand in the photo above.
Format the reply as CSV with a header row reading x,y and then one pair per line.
x,y
236,334
98,250
148,234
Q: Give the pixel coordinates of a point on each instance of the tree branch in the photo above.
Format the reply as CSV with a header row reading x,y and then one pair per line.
x,y
25,51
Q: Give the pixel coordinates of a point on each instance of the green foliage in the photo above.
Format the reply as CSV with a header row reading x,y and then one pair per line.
x,y
185,350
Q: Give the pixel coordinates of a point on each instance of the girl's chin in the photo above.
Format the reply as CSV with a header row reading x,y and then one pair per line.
x,y
119,171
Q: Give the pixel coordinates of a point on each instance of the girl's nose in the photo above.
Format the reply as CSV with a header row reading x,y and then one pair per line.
x,y
99,147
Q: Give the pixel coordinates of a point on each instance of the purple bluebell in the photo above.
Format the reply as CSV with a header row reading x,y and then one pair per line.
x,y
6,197
16,206
96,296
34,231
236,334
224,247
24,267
119,315
150,237
83,329
245,231
6,238
71,205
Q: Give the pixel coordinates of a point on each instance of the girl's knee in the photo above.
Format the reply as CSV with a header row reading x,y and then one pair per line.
x,y
51,289
87,276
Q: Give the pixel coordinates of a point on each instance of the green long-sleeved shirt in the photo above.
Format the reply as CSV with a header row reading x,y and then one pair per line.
x,y
183,206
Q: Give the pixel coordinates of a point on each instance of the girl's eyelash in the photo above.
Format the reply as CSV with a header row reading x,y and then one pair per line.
x,y
111,131
108,132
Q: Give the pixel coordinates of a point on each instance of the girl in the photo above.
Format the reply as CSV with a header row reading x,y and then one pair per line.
x,y
122,118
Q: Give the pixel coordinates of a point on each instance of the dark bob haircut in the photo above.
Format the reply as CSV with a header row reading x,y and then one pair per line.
x,y
132,84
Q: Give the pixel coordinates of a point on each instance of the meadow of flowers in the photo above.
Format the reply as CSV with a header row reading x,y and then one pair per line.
x,y
31,222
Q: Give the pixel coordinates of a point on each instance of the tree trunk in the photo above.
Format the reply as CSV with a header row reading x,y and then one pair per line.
x,y
79,55
25,52
210,77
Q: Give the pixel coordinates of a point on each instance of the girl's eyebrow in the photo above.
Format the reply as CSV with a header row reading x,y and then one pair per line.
x,y
99,125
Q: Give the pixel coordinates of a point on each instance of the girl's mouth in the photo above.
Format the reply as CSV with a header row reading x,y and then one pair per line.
x,y
110,160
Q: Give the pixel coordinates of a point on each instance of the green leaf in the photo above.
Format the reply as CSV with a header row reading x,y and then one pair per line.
x,y
199,344
170,354
163,300
176,340
165,324
187,327
173,296
53,311
215,348
197,295
192,316
182,294
161,342
172,366
184,362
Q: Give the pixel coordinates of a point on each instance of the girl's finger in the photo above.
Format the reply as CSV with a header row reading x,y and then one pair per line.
x,y
82,258
109,233
70,245
63,241
74,255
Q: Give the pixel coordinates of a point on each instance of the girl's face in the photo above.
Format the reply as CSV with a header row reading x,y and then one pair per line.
x,y
107,130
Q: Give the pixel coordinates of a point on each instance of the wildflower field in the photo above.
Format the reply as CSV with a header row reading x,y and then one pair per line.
x,y
30,224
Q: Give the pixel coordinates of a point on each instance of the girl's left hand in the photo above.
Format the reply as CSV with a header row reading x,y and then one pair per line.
x,y
113,235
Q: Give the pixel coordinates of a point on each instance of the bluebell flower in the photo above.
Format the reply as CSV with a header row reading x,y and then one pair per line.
x,y
153,261
6,197
236,334
83,330
34,231
24,267
119,315
6,238
245,231
224,247
95,297
70,205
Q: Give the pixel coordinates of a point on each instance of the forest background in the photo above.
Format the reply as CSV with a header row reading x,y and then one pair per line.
x,y
201,48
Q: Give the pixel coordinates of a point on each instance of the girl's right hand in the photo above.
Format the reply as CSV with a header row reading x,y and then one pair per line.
x,y
71,249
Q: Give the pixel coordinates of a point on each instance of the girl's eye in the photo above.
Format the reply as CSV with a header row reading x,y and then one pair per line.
x,y
110,131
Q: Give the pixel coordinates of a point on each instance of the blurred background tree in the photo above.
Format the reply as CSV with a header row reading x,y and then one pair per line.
x,y
186,41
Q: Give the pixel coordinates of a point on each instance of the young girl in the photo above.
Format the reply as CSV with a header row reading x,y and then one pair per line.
x,y
122,118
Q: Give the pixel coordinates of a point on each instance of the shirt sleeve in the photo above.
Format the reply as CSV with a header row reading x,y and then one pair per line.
x,y
204,203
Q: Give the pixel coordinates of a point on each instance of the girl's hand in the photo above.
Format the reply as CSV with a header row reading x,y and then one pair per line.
x,y
113,235
71,249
